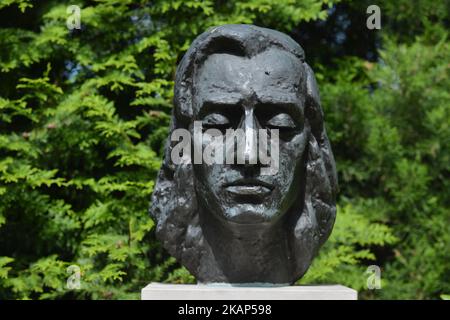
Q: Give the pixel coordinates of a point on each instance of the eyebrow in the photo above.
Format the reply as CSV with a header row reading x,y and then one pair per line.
x,y
292,107
288,105
211,105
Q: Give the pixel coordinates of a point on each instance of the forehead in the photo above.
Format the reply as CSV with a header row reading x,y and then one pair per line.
x,y
271,76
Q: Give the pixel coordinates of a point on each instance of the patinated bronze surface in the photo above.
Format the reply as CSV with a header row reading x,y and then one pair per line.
x,y
229,222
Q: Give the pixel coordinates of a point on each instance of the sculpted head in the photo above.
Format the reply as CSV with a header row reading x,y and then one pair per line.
x,y
245,221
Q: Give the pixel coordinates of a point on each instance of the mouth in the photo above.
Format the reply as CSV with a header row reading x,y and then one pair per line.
x,y
249,187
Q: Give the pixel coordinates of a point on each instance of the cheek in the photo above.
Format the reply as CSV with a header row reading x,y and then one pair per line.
x,y
211,176
294,148
291,156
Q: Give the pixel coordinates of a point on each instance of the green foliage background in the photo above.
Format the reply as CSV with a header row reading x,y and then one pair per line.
x,y
84,113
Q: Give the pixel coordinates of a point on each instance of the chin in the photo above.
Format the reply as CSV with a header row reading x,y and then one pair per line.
x,y
249,214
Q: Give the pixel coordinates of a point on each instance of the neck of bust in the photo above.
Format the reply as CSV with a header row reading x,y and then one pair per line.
x,y
259,252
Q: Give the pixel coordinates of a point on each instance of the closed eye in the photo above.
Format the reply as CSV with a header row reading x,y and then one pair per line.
x,y
281,121
215,120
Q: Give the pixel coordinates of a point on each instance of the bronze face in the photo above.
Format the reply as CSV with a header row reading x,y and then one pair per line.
x,y
261,92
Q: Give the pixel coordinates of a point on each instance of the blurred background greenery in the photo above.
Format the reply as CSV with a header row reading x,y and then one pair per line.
x,y
84,114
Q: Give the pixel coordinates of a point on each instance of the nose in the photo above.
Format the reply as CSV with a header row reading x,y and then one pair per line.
x,y
250,127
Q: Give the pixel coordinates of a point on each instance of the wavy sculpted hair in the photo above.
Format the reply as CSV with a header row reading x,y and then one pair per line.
x,y
174,202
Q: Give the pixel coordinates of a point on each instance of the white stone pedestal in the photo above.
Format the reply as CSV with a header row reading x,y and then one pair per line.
x,y
158,291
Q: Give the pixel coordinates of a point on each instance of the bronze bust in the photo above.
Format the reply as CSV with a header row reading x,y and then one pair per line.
x,y
229,222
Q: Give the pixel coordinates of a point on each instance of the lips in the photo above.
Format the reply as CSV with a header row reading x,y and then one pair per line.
x,y
249,188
